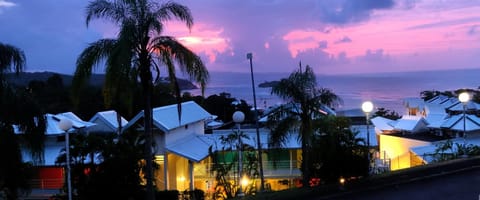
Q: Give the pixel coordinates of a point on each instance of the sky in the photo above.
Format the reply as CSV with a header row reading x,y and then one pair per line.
x,y
332,36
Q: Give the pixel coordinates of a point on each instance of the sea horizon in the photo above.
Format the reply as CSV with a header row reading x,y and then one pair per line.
x,y
386,89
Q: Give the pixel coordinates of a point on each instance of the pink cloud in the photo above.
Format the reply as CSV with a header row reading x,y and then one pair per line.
x,y
202,39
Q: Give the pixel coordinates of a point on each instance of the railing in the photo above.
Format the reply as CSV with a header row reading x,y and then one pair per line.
x,y
47,183
282,168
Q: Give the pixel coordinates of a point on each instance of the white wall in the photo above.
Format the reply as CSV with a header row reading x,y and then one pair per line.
x,y
398,149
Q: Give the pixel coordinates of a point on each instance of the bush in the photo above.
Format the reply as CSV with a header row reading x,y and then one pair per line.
x,y
167,195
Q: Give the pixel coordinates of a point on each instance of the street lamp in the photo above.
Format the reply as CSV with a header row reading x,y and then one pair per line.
x,y
65,125
464,97
367,107
255,117
238,118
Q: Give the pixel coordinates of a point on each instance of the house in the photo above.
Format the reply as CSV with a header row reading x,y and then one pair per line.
x,y
177,146
182,150
48,174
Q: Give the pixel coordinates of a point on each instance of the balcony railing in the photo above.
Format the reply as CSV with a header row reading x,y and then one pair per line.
x,y
282,168
47,183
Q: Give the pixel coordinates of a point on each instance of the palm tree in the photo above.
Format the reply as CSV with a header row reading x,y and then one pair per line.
x,y
11,58
139,52
300,88
18,108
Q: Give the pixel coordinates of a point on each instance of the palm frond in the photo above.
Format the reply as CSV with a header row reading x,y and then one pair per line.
x,y
169,10
113,11
94,54
11,56
188,61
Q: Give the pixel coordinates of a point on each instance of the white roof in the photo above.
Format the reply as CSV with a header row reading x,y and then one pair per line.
x,y
450,102
438,99
409,123
469,106
455,122
76,121
435,120
166,117
432,108
383,123
109,118
192,147
52,125
195,147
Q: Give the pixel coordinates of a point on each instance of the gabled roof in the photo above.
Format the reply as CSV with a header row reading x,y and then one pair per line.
x,y
456,122
450,102
166,118
438,99
469,106
76,121
109,118
383,123
432,108
435,120
53,120
410,123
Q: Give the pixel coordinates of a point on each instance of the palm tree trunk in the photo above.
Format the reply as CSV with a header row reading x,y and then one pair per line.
x,y
146,79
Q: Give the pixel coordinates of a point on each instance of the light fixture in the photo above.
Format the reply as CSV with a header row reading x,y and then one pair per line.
x,y
367,107
65,125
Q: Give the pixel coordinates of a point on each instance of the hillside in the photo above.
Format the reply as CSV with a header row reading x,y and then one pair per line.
x,y
96,79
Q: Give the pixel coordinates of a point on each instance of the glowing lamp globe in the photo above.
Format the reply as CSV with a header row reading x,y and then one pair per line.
x,y
367,106
464,97
238,117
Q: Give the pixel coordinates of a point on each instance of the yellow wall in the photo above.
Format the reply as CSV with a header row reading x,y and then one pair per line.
x,y
397,150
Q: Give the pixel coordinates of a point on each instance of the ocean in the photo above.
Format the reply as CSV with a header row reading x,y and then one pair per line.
x,y
385,90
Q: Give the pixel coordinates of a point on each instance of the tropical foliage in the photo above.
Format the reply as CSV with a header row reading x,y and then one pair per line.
x,y
226,165
306,102
337,151
139,52
17,108
106,166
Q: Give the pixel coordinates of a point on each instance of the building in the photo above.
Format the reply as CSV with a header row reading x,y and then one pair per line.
x,y
416,137
49,174
183,150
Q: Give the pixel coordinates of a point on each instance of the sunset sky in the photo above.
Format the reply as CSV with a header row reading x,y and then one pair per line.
x,y
332,36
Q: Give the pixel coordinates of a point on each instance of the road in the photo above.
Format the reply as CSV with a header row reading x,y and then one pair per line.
x,y
459,185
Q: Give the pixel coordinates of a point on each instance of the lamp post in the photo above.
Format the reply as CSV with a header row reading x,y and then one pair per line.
x,y
238,118
367,107
65,125
255,117
464,97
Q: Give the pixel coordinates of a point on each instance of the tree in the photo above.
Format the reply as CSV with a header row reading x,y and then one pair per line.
x,y
19,109
226,164
305,105
139,52
389,114
11,59
337,151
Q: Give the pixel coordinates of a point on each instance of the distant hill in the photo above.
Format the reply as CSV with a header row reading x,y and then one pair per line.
x,y
95,80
